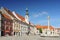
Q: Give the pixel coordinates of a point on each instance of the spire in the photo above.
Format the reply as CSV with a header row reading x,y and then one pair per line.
x,y
27,11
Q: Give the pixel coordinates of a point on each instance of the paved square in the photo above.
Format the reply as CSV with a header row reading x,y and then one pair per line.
x,y
30,37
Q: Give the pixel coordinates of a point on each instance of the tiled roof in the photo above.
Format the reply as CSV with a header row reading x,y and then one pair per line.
x,y
6,16
21,17
57,28
9,12
44,27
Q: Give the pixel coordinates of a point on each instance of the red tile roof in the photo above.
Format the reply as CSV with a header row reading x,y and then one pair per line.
x,y
44,27
57,28
6,16
21,17
9,12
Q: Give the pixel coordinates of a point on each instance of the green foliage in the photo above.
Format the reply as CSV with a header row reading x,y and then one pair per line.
x,y
40,30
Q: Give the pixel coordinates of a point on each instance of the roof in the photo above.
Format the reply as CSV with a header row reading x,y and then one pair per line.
x,y
57,28
6,16
44,27
21,17
16,16
9,12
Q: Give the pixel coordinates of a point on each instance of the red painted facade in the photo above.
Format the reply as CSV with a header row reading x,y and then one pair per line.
x,y
7,26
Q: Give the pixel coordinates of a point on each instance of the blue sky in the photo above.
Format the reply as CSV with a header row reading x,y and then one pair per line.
x,y
38,10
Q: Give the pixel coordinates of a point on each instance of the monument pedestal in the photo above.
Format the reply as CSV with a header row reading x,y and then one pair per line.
x,y
49,33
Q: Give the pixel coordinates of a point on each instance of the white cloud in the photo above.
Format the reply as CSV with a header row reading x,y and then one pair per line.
x,y
40,14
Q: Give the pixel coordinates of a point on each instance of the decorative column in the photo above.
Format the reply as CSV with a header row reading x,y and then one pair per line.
x,y
48,22
48,30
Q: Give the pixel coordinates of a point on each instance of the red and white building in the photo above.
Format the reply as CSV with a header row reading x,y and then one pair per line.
x,y
13,23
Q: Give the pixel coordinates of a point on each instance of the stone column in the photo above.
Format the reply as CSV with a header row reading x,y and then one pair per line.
x,y
48,30
48,22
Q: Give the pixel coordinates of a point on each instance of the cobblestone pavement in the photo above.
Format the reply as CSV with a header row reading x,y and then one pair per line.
x,y
30,37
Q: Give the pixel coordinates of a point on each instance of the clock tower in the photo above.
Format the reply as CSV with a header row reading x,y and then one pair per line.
x,y
27,16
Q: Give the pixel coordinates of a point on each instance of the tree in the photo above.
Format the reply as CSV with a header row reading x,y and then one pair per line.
x,y
40,30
